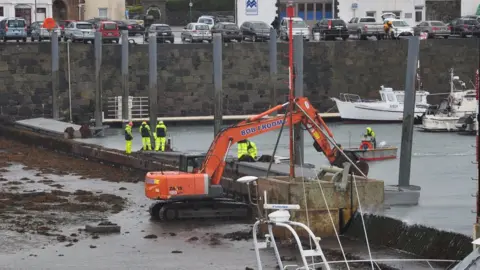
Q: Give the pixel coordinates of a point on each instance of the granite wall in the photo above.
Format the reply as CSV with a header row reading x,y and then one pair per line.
x,y
185,74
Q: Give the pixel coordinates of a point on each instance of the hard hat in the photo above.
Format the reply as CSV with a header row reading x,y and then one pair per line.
x,y
130,123
369,128
144,123
161,122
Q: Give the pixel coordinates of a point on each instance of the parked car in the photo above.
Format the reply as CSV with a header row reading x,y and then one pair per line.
x,y
331,29
13,29
134,28
432,28
63,24
255,31
364,27
162,31
196,32
474,17
463,27
208,20
299,27
39,33
228,30
401,28
109,30
79,31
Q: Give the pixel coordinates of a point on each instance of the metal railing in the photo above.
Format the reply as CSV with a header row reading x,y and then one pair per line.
x,y
138,109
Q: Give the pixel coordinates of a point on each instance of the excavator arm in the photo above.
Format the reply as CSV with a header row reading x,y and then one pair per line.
x,y
214,163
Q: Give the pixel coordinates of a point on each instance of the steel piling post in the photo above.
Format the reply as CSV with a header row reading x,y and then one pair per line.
x,y
298,87
273,67
217,82
152,86
98,80
125,89
55,75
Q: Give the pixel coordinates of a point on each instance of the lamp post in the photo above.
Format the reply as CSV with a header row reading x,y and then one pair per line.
x,y
190,5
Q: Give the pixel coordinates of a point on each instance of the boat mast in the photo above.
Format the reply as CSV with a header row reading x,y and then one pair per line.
x,y
291,85
477,86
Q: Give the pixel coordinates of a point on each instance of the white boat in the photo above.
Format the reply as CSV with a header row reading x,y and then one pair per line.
x,y
459,103
388,109
467,125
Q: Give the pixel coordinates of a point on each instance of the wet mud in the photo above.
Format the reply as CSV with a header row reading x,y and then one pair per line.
x,y
49,162
35,208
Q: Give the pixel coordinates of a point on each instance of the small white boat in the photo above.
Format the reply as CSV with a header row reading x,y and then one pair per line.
x,y
388,109
459,103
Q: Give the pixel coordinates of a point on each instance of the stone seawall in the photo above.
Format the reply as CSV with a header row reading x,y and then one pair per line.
x,y
185,74
420,240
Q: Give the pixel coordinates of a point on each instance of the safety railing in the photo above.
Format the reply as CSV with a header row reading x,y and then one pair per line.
x,y
138,109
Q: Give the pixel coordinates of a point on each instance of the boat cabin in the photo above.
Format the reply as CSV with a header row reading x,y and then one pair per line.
x,y
388,95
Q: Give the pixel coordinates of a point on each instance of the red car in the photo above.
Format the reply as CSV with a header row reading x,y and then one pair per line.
x,y
109,30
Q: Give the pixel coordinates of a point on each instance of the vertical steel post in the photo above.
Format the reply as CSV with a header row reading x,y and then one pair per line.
x,y
408,113
152,75
273,67
98,80
125,89
477,88
290,14
55,77
298,68
217,82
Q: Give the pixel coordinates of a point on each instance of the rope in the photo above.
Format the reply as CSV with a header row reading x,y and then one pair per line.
x,y
363,221
331,219
306,204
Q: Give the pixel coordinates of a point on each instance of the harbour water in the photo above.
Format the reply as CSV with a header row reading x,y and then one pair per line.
x,y
441,166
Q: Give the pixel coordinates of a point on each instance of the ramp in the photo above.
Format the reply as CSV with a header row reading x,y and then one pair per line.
x,y
46,126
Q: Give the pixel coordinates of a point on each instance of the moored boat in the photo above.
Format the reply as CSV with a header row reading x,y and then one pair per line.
x,y
388,109
445,116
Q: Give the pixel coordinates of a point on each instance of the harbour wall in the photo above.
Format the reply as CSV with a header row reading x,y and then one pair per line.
x,y
185,80
423,241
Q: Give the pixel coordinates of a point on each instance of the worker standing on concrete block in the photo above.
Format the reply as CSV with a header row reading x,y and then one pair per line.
x,y
160,136
145,133
128,138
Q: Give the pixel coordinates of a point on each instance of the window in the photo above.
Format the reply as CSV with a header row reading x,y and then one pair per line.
x,y
418,16
397,13
110,26
408,15
390,97
441,24
370,13
310,12
368,20
16,23
83,26
383,96
103,12
201,27
400,98
231,27
301,11
40,10
206,21
299,24
260,25
1,12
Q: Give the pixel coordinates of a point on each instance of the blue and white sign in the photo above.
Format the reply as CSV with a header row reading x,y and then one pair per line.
x,y
251,7
354,5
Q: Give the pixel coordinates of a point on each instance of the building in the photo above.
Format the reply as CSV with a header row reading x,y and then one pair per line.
x,y
112,9
469,7
26,9
88,9
412,11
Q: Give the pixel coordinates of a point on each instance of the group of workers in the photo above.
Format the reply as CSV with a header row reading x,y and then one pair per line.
x,y
246,149
160,134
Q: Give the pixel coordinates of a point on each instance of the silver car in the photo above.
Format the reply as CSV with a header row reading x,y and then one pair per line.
x,y
39,33
299,27
196,32
79,31
432,28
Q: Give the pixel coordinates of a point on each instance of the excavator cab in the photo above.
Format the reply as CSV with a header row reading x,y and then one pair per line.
x,y
191,163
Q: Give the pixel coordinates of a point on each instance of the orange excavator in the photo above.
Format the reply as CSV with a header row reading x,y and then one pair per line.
x,y
197,193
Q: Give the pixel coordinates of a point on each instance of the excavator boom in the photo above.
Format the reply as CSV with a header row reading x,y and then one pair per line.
x,y
182,194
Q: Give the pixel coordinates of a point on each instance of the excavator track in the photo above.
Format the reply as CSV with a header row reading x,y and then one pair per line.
x,y
212,208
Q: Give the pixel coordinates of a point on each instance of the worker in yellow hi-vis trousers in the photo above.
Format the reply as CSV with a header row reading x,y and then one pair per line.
x,y
160,136
128,138
145,133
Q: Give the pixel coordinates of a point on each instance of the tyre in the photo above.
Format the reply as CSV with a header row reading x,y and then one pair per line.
x,y
323,36
24,39
39,39
31,39
172,41
346,37
445,37
116,40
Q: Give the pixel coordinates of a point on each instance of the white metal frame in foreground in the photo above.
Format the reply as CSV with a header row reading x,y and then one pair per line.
x,y
281,218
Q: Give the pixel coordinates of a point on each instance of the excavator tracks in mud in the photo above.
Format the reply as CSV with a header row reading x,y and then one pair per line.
x,y
214,208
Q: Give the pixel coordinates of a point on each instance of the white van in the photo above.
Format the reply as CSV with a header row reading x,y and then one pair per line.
x,y
208,20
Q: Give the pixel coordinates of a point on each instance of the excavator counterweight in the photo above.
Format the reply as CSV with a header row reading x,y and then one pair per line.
x,y
195,190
